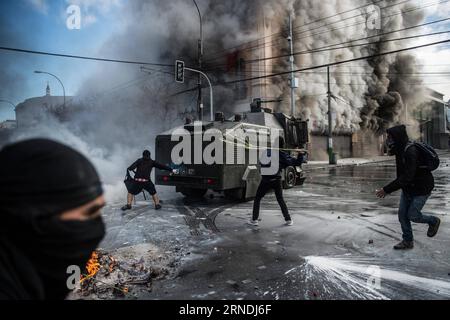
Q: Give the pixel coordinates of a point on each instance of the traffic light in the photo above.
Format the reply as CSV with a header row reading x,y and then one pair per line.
x,y
179,71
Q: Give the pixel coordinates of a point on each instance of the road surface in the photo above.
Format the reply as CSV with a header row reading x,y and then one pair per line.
x,y
339,248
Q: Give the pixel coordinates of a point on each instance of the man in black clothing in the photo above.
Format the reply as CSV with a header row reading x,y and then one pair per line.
x,y
415,182
273,182
142,170
50,205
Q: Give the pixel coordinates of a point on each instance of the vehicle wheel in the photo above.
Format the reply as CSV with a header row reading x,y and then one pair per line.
x,y
301,179
290,178
194,193
235,194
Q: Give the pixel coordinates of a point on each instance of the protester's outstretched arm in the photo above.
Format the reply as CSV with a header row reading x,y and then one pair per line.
x,y
161,166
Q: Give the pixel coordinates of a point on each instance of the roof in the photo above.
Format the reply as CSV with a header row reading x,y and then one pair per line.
x,y
208,125
45,101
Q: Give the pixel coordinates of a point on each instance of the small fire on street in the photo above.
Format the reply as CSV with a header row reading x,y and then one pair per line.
x,y
119,274
92,267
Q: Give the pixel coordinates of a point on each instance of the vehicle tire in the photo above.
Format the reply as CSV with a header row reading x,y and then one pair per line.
x,y
290,178
194,193
301,179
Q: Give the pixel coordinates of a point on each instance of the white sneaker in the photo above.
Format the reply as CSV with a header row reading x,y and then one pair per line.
x,y
254,223
289,223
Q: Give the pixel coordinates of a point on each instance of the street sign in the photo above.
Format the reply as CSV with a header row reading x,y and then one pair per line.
x,y
179,71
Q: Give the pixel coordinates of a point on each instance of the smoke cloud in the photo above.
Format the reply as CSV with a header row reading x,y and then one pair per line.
x,y
120,109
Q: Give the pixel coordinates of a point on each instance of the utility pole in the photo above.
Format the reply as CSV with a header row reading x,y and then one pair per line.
x,y
293,80
332,159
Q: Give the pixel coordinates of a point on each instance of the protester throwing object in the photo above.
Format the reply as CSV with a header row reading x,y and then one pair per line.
x,y
273,182
142,169
415,163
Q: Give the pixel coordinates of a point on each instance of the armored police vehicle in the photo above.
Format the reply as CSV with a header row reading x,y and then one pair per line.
x,y
236,178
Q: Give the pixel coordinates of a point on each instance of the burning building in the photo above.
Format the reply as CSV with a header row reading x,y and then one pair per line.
x,y
367,96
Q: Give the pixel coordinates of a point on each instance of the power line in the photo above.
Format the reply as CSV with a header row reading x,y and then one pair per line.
x,y
347,47
386,33
348,18
422,7
83,57
280,33
366,84
277,41
425,66
165,72
272,43
416,74
390,32
402,12
340,62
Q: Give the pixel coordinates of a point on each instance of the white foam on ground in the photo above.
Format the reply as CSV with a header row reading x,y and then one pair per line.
x,y
346,274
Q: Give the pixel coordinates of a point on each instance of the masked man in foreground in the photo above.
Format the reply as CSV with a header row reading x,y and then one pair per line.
x,y
50,202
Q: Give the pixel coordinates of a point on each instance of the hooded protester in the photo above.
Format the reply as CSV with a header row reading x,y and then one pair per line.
x,y
50,202
274,182
416,184
142,169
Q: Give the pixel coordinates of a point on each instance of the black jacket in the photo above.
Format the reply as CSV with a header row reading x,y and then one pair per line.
x,y
143,168
410,178
285,161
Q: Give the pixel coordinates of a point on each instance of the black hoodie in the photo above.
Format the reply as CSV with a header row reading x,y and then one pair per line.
x,y
143,168
39,180
410,178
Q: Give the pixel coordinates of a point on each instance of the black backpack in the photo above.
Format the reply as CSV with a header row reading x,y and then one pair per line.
x,y
431,160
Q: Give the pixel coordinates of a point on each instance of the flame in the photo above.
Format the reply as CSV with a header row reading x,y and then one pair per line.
x,y
92,267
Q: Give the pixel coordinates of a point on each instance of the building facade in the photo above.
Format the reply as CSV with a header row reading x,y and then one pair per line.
x,y
433,117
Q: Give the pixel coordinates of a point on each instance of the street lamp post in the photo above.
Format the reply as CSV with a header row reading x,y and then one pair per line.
x,y
62,85
200,58
211,97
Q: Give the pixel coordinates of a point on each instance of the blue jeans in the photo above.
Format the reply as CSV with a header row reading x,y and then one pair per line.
x,y
411,211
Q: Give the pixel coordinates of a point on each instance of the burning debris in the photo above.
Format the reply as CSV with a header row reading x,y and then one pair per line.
x,y
119,274
92,267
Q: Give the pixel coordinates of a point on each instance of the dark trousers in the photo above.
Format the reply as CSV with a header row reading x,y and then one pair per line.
x,y
411,211
264,187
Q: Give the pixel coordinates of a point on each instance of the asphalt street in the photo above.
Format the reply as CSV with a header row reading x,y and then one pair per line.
x,y
340,246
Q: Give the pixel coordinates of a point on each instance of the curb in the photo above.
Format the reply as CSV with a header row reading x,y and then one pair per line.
x,y
324,167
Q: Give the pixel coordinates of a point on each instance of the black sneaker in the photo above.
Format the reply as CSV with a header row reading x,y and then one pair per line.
x,y
404,245
126,207
433,230
158,207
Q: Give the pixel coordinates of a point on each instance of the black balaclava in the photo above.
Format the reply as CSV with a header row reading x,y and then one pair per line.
x,y
39,180
146,155
399,140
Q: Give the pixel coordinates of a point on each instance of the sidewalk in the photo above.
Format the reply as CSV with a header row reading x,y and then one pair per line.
x,y
321,165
